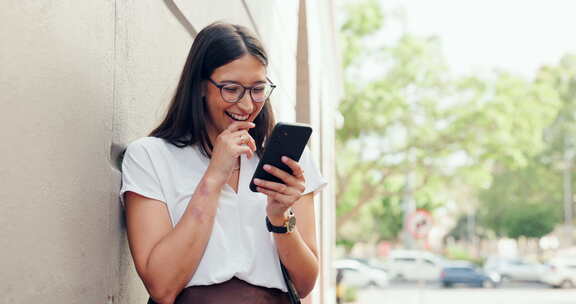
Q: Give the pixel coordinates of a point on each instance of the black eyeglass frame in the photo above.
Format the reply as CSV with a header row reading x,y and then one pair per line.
x,y
221,86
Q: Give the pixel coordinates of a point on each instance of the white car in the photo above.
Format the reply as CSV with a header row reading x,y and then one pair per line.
x,y
357,274
561,273
414,265
515,269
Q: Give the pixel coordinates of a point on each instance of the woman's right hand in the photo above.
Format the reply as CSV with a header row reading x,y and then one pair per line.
x,y
230,144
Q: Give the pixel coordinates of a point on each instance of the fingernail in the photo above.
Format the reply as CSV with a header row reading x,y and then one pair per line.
x,y
284,158
257,181
266,167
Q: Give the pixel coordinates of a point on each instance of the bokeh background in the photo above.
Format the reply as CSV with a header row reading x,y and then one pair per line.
x,y
456,154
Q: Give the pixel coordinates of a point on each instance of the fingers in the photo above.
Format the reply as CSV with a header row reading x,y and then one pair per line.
x,y
248,140
277,187
286,194
297,171
287,200
243,138
240,125
233,142
237,143
244,149
252,144
291,180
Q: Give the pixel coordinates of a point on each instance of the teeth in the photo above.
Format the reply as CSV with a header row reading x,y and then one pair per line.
x,y
238,117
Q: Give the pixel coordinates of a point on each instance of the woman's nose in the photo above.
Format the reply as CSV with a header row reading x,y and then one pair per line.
x,y
245,103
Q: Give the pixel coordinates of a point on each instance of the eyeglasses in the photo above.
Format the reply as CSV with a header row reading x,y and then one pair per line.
x,y
232,92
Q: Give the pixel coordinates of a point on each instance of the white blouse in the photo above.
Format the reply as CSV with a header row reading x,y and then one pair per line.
x,y
240,245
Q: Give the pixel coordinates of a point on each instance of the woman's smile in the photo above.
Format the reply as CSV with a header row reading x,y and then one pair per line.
x,y
237,117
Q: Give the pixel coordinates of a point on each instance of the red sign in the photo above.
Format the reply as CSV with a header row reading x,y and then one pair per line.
x,y
419,223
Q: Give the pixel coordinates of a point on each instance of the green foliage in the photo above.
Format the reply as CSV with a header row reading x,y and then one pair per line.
x,y
523,202
527,201
450,135
388,217
458,253
460,230
346,244
350,294
364,19
405,96
561,79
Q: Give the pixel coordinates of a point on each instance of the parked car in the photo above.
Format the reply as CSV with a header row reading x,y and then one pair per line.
x,y
357,274
414,265
561,273
374,263
466,273
515,269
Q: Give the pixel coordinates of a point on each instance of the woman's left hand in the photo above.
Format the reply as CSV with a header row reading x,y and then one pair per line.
x,y
282,196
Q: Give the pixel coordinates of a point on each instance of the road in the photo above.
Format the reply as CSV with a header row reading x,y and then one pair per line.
x,y
529,294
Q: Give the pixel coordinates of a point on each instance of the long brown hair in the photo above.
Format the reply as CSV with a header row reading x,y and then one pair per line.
x,y
186,119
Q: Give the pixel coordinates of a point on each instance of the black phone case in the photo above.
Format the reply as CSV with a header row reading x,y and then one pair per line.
x,y
287,139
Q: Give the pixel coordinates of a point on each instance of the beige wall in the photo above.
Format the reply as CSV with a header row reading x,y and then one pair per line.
x,y
56,62
324,88
81,79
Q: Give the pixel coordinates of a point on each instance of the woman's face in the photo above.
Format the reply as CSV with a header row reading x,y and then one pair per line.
x,y
247,71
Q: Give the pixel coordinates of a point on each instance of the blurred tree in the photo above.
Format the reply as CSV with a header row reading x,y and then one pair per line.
x,y
460,231
561,134
522,202
373,141
410,117
389,209
528,201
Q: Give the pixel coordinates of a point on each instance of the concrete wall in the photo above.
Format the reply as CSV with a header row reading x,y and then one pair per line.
x,y
81,79
57,192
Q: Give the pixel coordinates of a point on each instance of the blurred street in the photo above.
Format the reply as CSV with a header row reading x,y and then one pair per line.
x,y
525,293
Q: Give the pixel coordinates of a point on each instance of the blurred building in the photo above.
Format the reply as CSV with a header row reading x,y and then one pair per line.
x,y
80,80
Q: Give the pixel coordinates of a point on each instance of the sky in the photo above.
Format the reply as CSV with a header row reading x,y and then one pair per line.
x,y
514,35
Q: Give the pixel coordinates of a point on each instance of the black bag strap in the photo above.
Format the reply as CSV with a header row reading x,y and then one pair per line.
x,y
292,293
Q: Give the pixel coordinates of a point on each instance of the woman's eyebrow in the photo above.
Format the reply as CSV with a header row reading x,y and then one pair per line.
x,y
238,82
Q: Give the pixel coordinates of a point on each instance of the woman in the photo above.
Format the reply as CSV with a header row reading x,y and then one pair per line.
x,y
197,234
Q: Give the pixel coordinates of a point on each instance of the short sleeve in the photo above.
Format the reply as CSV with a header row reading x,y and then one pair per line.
x,y
314,179
138,174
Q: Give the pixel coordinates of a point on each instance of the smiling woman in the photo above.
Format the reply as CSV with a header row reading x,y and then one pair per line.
x,y
197,234
227,100
221,53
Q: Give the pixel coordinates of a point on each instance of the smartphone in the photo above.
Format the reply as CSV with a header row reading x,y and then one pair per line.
x,y
287,139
